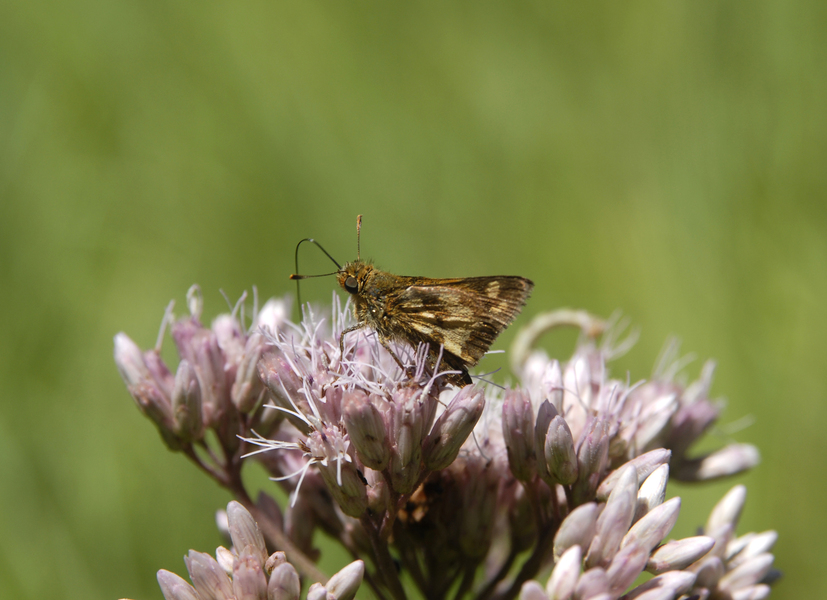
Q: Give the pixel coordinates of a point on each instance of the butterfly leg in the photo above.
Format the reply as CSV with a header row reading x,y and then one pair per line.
x,y
342,338
386,346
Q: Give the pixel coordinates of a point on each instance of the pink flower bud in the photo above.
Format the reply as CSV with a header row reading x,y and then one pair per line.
x,y
366,429
452,428
186,403
518,433
559,453
284,583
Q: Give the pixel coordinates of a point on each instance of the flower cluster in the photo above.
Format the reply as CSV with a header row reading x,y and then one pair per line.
x,y
468,492
245,571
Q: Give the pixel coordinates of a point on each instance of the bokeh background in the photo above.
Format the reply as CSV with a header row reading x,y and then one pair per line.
x,y
665,159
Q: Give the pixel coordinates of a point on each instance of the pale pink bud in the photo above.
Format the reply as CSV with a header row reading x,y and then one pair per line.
x,y
407,430
679,554
225,559
159,372
753,592
559,454
727,461
209,364
174,587
317,592
614,521
545,414
708,572
655,525
747,573
577,528
518,433
208,577
344,584
591,583
452,428
366,429
186,403
645,465
273,561
565,575
728,510
652,492
149,397
249,582
592,458
625,567
749,545
663,587
284,583
244,531
532,590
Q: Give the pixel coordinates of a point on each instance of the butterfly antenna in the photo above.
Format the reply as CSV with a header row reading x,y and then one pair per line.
x,y
296,275
358,236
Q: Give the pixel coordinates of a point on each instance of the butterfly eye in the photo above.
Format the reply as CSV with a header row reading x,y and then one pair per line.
x,y
351,285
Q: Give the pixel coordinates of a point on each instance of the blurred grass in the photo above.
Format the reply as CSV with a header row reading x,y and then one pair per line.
x,y
664,159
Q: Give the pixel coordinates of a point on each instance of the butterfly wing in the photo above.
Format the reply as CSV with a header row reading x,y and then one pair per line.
x,y
463,315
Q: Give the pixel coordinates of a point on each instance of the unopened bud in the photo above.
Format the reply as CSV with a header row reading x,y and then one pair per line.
x,y
679,554
747,574
408,426
273,561
728,510
592,458
244,531
518,432
652,492
225,559
559,452
284,583
174,587
545,414
564,577
663,587
592,583
532,590
615,519
731,460
747,546
452,428
645,465
186,403
577,529
207,576
655,525
344,584
249,582
366,429
625,567
317,592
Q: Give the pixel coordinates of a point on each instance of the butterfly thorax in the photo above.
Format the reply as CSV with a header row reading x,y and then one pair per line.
x,y
373,292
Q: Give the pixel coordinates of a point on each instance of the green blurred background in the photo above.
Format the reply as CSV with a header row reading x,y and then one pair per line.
x,y
665,159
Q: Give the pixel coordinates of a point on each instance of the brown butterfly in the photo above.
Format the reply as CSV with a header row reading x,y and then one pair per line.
x,y
463,316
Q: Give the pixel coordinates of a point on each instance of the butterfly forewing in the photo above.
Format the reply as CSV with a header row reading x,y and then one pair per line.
x,y
463,315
